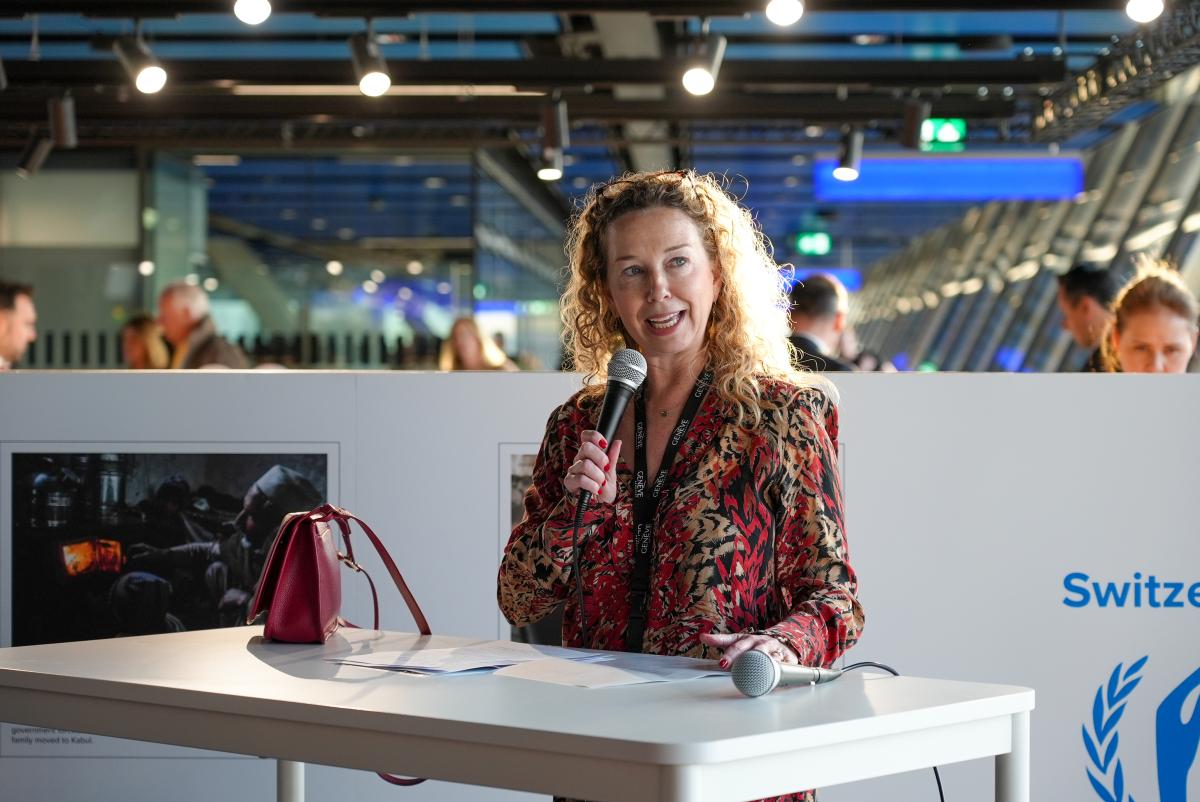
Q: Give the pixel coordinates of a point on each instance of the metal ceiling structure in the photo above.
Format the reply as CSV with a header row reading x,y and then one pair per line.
x,y
472,75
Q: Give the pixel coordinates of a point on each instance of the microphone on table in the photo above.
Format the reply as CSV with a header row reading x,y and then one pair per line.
x,y
756,673
626,372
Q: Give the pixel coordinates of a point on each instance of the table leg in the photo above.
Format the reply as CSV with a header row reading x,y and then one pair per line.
x,y
1012,770
289,781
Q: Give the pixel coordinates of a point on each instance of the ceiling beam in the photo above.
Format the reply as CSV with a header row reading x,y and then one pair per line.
x,y
550,73
150,9
720,107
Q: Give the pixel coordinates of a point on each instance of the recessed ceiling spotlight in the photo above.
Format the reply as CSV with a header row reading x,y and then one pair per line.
x,y
785,12
334,268
1144,10
252,12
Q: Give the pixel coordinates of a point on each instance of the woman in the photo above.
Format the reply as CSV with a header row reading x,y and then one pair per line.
x,y
142,344
1155,323
467,349
747,549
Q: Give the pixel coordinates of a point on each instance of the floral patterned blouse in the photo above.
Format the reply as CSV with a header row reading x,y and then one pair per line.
x,y
749,537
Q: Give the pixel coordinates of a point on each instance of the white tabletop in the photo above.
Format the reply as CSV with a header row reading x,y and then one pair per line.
x,y
230,690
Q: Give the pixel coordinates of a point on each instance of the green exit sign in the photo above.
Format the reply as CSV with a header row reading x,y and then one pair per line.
x,y
943,133
813,243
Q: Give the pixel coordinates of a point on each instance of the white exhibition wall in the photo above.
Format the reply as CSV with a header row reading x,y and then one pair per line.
x,y
1027,530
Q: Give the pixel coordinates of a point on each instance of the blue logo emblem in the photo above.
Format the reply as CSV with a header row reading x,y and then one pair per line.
x,y
1177,739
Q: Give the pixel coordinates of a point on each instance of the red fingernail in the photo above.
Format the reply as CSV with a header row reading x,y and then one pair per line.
x,y
724,663
603,443
602,484
607,465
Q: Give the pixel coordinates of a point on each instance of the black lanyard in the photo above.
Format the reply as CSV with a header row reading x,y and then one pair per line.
x,y
645,503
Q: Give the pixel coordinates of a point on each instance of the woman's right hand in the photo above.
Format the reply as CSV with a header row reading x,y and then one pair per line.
x,y
594,468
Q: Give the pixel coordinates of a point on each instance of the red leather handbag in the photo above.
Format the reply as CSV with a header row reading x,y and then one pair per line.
x,y
300,588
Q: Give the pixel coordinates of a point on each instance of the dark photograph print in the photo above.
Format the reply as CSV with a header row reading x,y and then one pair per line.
x,y
108,544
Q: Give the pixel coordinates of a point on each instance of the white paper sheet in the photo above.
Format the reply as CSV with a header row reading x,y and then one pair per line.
x,y
621,669
485,654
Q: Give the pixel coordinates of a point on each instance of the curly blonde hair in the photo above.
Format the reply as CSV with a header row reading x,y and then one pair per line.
x,y
747,330
1154,284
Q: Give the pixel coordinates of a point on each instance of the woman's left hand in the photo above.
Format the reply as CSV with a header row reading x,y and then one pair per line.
x,y
744,642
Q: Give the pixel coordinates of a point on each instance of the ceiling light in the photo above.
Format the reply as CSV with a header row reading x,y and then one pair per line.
x,y
378,276
370,286
849,156
62,122
252,12
554,139
369,66
143,68
444,287
701,75
414,267
1144,10
785,12
145,268
869,39
334,268
551,168
211,284
37,149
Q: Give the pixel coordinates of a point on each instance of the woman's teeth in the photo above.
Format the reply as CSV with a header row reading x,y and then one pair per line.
x,y
665,322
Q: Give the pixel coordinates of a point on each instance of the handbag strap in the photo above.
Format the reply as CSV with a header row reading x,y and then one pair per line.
x,y
328,512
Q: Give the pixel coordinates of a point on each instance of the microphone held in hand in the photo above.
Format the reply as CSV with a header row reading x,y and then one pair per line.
x,y
626,372
756,673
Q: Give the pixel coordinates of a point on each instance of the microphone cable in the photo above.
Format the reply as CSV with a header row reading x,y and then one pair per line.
x,y
895,673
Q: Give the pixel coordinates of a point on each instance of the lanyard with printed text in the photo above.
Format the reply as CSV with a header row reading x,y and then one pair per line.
x,y
645,503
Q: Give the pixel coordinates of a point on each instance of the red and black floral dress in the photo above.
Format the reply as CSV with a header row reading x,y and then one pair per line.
x,y
749,537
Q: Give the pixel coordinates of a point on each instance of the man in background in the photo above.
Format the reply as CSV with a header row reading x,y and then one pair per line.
x,y
18,322
820,305
185,318
1085,295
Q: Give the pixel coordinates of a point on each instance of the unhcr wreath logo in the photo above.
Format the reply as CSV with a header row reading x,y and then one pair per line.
x,y
1177,735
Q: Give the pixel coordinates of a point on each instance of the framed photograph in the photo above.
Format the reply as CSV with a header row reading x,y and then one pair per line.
x,y
105,540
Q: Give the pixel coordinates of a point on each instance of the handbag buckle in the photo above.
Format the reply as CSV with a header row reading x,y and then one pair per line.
x,y
350,563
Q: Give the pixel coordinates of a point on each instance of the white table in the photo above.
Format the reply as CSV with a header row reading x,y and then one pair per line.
x,y
700,741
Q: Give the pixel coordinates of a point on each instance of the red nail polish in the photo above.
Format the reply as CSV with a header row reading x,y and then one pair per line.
x,y
724,663
603,443
607,465
605,482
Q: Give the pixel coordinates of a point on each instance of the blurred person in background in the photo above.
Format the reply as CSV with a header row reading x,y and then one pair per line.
x,y
185,317
18,322
143,345
467,349
1085,296
1155,323
820,305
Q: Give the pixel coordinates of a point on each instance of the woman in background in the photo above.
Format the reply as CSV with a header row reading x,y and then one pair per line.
x,y
1155,323
467,349
143,345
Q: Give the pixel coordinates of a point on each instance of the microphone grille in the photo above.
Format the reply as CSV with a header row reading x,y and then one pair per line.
x,y
754,673
628,367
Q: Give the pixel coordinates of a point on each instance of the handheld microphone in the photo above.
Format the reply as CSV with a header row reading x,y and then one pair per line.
x,y
626,372
756,673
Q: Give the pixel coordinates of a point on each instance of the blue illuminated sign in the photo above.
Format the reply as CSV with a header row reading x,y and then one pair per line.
x,y
851,277
961,178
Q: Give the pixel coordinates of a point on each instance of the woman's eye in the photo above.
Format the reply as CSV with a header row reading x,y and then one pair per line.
x,y
632,271
678,261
